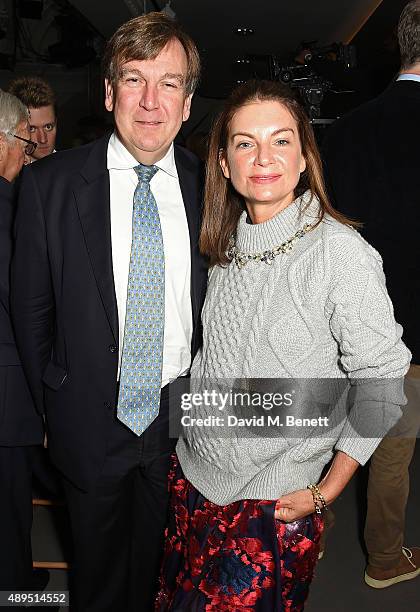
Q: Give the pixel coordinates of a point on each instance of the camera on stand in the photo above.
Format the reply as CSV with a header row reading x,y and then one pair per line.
x,y
310,74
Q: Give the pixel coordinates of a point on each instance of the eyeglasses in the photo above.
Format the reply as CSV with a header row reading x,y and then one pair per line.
x,y
30,146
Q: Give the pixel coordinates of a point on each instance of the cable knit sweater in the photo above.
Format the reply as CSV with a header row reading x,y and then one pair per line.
x,y
320,311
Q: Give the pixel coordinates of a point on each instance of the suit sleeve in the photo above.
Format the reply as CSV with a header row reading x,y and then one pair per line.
x,y
5,242
32,300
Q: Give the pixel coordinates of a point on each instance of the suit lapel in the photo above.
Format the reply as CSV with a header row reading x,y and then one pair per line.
x,y
93,203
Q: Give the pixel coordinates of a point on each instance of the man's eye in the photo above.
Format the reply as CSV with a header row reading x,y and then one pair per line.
x,y
171,85
131,81
243,145
49,127
32,128
282,141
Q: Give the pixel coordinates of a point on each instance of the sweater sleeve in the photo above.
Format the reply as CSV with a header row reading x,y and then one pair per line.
x,y
371,350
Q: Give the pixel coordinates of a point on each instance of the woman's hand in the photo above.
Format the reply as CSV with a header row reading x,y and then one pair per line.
x,y
297,504
294,506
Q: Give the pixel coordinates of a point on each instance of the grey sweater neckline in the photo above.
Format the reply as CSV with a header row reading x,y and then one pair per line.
x,y
262,236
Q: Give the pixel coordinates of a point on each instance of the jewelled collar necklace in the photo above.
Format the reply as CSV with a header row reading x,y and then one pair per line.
x,y
241,259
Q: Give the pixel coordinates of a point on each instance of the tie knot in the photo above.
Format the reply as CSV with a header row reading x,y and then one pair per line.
x,y
145,173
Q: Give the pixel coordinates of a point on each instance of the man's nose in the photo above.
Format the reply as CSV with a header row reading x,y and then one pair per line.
x,y
149,99
41,136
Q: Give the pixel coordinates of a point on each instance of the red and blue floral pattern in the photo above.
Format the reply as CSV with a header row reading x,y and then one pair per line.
x,y
234,557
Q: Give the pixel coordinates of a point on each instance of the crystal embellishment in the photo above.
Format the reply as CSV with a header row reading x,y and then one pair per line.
x,y
268,256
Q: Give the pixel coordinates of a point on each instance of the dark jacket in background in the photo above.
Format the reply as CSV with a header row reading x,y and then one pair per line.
x,y
20,425
372,162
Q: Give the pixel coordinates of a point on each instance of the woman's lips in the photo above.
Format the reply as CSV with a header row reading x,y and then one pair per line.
x,y
263,179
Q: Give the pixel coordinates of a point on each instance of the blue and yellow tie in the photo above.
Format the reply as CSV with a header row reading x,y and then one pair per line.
x,y
141,363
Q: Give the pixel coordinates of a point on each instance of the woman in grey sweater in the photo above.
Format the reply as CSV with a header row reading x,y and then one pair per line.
x,y
297,318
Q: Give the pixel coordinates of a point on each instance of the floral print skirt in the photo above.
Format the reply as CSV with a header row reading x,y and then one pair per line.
x,y
234,557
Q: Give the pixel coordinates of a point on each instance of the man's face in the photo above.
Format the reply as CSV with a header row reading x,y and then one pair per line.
x,y
43,127
15,152
149,102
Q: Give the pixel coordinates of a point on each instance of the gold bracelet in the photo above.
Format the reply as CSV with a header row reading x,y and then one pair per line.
x,y
315,498
320,497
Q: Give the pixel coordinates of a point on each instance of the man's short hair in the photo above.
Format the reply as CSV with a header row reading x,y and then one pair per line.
x,y
34,92
143,38
409,34
12,113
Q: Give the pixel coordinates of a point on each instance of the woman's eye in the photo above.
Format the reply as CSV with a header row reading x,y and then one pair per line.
x,y
48,127
243,145
282,141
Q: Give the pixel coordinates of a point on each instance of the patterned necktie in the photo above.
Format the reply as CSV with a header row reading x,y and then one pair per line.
x,y
141,363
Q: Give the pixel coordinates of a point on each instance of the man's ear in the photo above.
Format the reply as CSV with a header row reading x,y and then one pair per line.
x,y
109,96
223,164
187,107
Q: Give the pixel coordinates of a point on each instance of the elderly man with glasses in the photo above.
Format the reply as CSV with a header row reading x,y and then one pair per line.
x,y
21,428
13,153
30,146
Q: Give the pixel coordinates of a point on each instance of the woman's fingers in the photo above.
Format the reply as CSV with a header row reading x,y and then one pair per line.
x,y
294,506
284,514
284,502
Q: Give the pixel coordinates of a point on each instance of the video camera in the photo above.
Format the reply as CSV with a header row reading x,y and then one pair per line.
x,y
305,74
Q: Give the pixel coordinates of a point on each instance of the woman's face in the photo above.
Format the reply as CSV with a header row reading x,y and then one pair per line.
x,y
263,158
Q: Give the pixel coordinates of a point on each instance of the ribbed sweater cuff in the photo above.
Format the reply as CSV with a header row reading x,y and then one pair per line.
x,y
367,424
360,449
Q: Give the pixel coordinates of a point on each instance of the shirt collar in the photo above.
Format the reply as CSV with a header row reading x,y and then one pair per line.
x,y
119,158
409,77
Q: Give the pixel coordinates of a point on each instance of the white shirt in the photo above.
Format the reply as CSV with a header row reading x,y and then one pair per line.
x,y
176,241
409,77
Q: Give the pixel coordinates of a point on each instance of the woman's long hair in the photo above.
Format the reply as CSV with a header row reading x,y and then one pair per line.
x,y
222,204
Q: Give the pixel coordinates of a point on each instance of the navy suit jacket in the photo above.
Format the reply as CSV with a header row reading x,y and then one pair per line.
x,y
372,160
20,425
63,297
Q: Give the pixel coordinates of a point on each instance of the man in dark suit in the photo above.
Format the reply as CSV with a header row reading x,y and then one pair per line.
x,y
108,286
372,159
21,428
